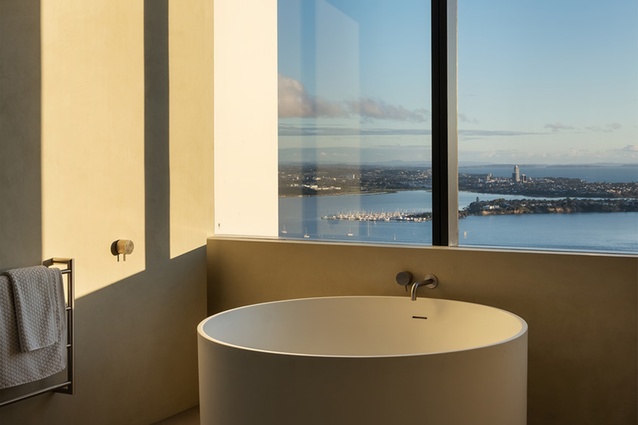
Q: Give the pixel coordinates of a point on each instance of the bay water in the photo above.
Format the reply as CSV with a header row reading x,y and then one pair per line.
x,y
300,218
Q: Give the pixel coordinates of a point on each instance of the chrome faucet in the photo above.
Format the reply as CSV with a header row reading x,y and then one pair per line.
x,y
429,281
405,278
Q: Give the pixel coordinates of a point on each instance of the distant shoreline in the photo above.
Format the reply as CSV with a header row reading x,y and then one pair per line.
x,y
502,207
296,181
550,206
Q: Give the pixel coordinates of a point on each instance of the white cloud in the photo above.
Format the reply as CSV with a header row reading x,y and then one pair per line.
x,y
572,155
558,126
608,128
630,149
467,135
465,119
378,109
296,102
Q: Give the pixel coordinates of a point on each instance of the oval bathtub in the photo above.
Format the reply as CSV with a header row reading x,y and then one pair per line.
x,y
363,360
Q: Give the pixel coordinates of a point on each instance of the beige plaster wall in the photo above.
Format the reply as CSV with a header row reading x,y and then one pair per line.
x,y
106,133
582,310
246,127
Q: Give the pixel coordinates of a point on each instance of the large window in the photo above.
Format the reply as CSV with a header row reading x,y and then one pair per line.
x,y
547,107
354,120
548,114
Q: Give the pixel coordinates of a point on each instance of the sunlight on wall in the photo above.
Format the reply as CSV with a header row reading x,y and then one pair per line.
x,y
95,131
191,124
93,136
246,117
87,158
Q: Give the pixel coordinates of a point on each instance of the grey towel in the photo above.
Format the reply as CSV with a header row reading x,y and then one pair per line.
x,y
17,366
36,296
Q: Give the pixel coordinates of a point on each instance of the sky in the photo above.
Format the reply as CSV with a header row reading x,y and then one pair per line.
x,y
546,82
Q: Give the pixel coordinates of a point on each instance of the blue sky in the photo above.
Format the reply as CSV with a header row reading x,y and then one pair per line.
x,y
539,81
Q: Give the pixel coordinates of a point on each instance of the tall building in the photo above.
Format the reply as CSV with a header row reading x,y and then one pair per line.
x,y
516,175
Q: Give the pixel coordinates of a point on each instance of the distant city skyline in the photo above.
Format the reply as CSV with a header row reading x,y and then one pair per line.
x,y
539,82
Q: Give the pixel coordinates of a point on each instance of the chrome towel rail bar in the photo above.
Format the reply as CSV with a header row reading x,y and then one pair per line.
x,y
65,387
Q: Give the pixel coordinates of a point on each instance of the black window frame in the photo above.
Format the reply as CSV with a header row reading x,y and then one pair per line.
x,y
444,123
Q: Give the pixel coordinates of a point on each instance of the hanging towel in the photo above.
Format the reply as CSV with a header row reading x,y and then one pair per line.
x,y
35,296
16,365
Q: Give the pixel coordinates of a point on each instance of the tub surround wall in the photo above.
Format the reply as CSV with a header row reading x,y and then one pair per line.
x,y
103,135
582,310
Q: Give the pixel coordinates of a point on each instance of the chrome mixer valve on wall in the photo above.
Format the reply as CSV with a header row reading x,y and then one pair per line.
x,y
122,246
405,279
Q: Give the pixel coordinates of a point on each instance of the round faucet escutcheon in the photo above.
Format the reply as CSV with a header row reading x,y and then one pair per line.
x,y
404,278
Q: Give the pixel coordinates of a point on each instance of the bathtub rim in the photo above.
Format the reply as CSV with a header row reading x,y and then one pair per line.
x,y
522,333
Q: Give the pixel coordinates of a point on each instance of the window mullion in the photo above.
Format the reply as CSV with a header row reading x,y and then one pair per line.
x,y
444,123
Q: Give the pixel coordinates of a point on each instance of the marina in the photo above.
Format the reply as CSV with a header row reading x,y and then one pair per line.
x,y
368,219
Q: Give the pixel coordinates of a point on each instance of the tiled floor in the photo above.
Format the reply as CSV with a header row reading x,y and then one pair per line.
x,y
188,417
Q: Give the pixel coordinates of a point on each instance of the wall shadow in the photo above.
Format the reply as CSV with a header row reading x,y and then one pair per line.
x,y
20,134
136,345
156,131
20,142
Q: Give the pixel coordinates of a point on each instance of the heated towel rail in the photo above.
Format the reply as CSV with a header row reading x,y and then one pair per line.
x,y
65,387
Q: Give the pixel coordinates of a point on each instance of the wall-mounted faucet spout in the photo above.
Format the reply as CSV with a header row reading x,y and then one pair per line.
x,y
429,281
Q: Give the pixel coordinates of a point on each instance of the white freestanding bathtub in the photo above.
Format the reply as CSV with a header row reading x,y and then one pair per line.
x,y
363,361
